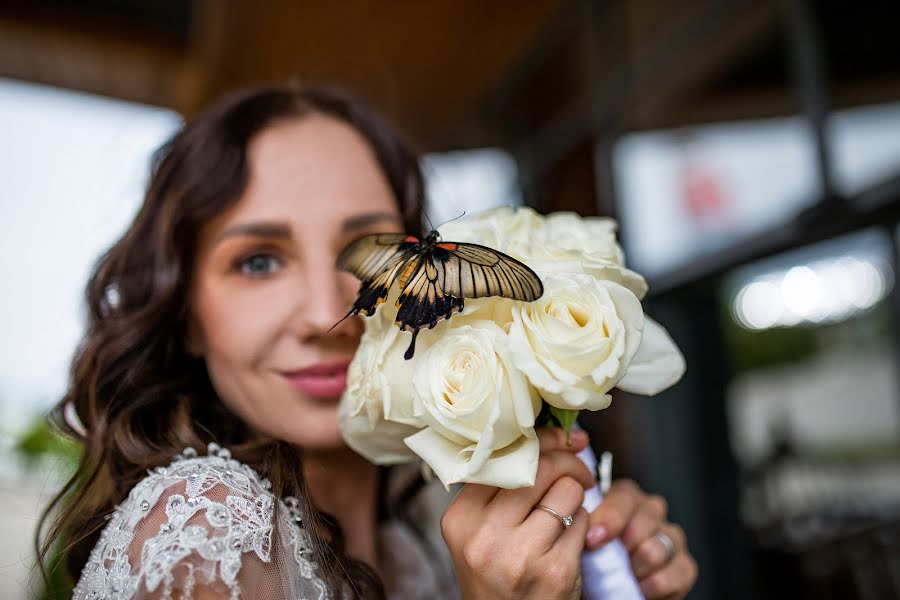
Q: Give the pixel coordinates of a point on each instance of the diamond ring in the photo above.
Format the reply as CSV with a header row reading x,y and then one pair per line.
x,y
566,520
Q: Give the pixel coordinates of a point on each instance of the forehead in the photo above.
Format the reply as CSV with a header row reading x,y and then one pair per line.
x,y
312,171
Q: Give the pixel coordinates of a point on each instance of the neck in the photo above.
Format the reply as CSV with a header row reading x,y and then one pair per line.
x,y
345,485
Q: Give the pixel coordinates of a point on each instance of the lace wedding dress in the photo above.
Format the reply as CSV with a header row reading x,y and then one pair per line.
x,y
203,527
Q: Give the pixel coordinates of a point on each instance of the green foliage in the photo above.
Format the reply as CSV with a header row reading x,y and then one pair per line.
x,y
768,347
750,349
41,444
558,417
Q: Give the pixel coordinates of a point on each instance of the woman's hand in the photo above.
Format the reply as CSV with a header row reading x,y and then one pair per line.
x,y
502,547
640,520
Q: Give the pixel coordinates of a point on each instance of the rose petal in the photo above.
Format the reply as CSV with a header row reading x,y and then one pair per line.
x,y
658,363
512,467
381,445
630,312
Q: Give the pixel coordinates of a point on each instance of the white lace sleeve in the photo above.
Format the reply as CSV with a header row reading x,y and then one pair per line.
x,y
202,528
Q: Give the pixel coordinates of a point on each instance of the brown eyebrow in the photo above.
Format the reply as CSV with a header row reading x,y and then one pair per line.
x,y
282,230
366,219
261,229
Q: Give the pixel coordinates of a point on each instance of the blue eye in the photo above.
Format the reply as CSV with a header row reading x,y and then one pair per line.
x,y
258,265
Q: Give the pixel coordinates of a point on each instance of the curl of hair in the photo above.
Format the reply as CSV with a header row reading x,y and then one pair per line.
x,y
140,395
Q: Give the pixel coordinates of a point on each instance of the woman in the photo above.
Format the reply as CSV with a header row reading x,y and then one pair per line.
x,y
211,327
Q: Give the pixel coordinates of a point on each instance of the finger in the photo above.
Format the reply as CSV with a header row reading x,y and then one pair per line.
x,y
457,522
514,506
565,497
652,554
570,544
615,511
648,518
554,438
475,495
674,581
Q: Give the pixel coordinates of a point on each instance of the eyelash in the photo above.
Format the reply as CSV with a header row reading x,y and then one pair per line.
x,y
240,265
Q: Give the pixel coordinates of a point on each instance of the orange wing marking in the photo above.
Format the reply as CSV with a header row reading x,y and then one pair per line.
x,y
407,272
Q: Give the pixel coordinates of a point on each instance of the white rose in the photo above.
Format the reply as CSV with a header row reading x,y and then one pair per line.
x,y
594,240
561,242
496,228
376,409
517,224
658,363
491,308
569,243
479,410
479,228
577,340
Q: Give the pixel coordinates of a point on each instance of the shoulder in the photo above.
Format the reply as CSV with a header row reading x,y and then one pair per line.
x,y
196,521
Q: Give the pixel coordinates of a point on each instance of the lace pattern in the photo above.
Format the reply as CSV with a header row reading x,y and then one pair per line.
x,y
217,533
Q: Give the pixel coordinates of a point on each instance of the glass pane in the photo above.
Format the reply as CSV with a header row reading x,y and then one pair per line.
x,y
686,193
469,181
814,407
865,146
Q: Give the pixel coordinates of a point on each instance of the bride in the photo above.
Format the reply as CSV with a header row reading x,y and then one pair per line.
x,y
204,395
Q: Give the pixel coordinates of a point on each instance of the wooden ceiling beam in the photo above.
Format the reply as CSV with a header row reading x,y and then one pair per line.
x,y
771,102
108,62
703,39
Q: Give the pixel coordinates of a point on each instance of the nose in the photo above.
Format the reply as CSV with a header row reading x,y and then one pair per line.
x,y
328,296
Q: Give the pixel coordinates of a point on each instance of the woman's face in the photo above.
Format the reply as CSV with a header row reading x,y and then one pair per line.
x,y
267,293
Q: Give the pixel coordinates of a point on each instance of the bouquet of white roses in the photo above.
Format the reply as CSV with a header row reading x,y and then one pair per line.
x,y
467,403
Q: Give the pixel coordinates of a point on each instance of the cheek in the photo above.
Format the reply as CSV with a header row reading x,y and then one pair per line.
x,y
233,335
232,324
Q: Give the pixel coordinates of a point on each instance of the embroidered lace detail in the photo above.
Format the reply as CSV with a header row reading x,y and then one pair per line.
x,y
203,520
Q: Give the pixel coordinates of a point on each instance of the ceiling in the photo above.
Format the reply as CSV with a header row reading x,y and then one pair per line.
x,y
426,63
469,72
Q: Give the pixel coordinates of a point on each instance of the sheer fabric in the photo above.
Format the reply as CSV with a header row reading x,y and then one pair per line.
x,y
204,527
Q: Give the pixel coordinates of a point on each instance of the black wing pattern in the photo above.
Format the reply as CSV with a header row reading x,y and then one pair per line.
x,y
473,271
434,277
376,260
422,300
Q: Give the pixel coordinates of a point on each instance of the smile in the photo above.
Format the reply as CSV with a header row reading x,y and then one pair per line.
x,y
324,380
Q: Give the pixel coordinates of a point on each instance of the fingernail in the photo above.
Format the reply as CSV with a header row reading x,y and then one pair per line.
x,y
578,436
596,535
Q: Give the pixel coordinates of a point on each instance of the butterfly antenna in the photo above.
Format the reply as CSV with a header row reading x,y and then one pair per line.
x,y
344,318
430,224
453,219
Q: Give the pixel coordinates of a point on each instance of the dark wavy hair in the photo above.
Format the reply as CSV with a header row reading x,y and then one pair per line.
x,y
141,397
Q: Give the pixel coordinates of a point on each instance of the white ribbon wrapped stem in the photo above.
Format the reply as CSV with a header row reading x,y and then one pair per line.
x,y
606,572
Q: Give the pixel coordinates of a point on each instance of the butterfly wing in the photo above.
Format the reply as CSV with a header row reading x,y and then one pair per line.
x,y
434,280
474,271
369,256
436,284
377,260
422,300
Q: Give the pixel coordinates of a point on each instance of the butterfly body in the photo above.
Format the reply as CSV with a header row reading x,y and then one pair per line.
x,y
434,277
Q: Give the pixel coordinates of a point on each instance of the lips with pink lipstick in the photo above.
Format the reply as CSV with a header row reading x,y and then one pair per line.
x,y
322,380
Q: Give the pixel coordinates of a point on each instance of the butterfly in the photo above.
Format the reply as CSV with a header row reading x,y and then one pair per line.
x,y
434,277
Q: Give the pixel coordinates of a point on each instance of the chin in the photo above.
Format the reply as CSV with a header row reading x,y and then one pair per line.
x,y
319,435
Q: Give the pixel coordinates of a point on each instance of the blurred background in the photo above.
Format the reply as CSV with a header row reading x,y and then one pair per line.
x,y
749,149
